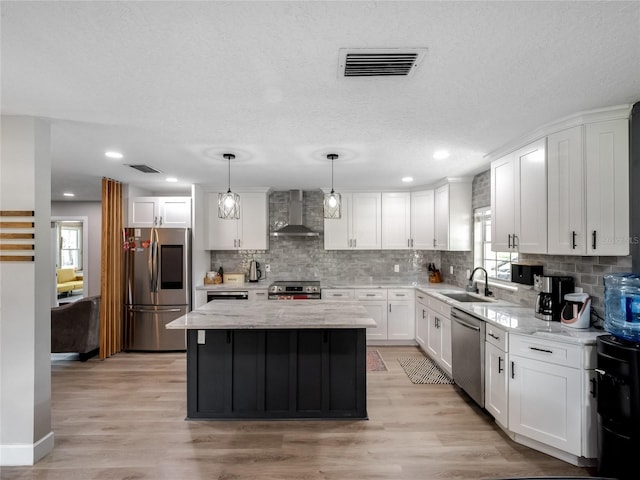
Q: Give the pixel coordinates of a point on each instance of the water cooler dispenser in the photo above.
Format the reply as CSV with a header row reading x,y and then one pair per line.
x,y
618,368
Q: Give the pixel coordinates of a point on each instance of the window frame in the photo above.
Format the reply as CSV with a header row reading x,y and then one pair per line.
x,y
482,245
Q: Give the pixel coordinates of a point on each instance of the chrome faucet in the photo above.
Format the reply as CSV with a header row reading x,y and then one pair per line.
x,y
473,287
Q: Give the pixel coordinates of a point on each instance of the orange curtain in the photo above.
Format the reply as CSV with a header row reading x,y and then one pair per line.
x,y
111,288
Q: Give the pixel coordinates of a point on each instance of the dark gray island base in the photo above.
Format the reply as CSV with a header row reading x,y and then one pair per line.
x,y
271,373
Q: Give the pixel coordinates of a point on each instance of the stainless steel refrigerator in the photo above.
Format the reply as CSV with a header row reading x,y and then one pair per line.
x,y
157,269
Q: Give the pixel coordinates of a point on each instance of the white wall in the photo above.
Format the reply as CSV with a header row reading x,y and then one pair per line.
x,y
25,315
93,212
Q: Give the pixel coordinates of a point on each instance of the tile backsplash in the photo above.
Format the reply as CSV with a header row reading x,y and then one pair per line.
x,y
304,258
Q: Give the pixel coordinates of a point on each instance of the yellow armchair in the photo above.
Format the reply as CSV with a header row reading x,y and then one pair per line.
x,y
68,280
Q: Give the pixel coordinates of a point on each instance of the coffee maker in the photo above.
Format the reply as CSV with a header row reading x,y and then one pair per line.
x,y
551,297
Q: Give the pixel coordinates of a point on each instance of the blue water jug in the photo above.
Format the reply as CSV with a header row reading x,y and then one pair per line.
x,y
622,305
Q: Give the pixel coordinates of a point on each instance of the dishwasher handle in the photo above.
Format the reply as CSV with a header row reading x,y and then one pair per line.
x,y
466,325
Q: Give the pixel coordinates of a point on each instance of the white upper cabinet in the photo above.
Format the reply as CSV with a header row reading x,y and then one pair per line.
x,y
519,200
160,212
453,216
607,187
565,184
588,185
438,219
396,221
360,226
249,232
422,218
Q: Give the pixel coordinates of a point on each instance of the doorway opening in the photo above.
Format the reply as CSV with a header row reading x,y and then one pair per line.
x,y
69,243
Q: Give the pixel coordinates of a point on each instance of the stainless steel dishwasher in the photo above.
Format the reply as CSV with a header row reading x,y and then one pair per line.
x,y
467,345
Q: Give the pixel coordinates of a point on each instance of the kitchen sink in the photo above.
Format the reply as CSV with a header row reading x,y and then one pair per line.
x,y
465,297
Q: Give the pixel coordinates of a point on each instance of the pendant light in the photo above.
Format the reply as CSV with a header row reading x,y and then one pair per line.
x,y
229,203
332,201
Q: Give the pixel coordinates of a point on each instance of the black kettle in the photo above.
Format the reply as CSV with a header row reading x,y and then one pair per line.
x,y
254,271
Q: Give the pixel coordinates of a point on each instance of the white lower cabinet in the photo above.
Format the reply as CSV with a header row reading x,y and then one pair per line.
x,y
400,314
438,331
545,399
375,301
495,375
258,294
421,320
338,294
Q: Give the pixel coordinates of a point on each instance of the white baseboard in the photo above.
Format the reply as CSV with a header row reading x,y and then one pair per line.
x,y
14,455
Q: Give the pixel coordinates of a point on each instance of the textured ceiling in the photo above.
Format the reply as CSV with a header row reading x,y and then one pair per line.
x,y
176,84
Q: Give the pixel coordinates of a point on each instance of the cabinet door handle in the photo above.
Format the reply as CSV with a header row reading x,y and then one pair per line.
x,y
434,243
160,224
493,336
500,367
544,350
155,221
509,241
355,242
408,242
238,243
573,239
513,370
593,387
235,243
514,240
437,322
228,336
423,313
593,239
389,308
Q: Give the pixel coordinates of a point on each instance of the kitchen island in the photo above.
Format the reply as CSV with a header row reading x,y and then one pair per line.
x,y
276,359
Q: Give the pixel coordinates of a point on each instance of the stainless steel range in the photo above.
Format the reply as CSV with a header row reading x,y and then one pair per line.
x,y
295,290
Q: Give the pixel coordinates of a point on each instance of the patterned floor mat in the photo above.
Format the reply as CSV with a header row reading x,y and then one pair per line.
x,y
423,370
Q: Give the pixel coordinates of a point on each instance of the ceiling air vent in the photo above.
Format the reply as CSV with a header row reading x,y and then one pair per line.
x,y
382,62
145,169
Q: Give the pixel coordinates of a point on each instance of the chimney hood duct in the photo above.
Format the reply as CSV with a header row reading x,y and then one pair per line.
x,y
295,227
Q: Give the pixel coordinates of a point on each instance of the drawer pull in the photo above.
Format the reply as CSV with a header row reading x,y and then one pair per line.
x,y
371,294
493,336
399,294
337,294
541,350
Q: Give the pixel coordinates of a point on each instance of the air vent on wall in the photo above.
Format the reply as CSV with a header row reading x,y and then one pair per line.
x,y
145,169
380,62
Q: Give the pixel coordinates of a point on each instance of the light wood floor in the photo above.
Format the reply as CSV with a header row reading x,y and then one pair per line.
x,y
123,419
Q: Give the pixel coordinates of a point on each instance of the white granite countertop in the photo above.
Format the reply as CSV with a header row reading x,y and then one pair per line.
x,y
516,319
274,314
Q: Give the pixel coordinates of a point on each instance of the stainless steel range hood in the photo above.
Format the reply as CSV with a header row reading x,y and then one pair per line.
x,y
295,227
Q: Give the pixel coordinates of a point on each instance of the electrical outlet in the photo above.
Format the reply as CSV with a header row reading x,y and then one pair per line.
x,y
267,268
396,268
451,269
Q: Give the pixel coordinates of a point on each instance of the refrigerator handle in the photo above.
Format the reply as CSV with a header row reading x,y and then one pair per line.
x,y
153,261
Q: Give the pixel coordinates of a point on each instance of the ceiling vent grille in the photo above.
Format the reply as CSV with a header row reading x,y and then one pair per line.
x,y
393,62
145,169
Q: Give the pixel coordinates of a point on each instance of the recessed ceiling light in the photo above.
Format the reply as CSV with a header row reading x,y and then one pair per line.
x,y
407,179
171,179
113,154
441,154
69,194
